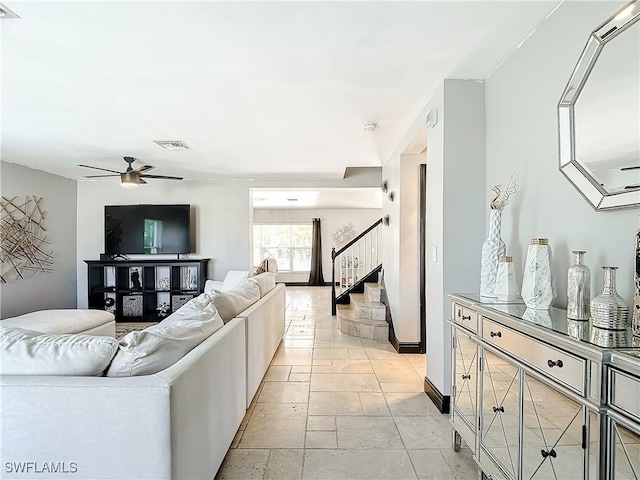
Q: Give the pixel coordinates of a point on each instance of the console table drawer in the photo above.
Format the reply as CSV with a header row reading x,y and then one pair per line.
x,y
465,317
625,392
558,364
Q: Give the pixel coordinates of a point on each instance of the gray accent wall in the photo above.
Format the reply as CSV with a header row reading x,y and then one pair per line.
x,y
59,198
521,99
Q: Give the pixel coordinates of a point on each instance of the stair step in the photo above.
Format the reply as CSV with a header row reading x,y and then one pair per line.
x,y
368,309
373,291
350,323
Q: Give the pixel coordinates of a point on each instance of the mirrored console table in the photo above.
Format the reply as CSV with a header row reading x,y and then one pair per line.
x,y
538,396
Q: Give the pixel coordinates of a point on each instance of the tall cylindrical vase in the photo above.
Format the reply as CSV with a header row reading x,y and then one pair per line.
x,y
492,249
610,310
578,288
537,285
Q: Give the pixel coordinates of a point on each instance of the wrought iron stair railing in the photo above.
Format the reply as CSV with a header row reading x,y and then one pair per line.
x,y
356,262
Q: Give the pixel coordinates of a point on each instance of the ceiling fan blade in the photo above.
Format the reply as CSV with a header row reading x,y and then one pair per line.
x,y
100,176
98,168
141,182
144,168
163,177
629,187
635,167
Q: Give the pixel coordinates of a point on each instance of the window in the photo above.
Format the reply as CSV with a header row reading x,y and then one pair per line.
x,y
290,245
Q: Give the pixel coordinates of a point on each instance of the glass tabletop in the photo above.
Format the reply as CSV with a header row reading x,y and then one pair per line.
x,y
475,297
556,319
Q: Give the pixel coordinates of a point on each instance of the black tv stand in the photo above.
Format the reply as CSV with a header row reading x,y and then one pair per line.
x,y
140,290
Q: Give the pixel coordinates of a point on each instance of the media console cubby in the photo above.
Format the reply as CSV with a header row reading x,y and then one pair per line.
x,y
134,290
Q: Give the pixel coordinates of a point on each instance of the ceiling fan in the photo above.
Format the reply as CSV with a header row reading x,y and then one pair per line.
x,y
131,177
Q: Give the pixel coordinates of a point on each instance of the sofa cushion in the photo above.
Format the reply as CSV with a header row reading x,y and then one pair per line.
x,y
60,321
266,282
157,347
27,352
234,301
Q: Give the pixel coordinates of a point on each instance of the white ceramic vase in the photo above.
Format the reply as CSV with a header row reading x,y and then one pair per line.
x,y
492,249
506,289
537,285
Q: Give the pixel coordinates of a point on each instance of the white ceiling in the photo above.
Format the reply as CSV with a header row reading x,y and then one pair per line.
x,y
317,198
260,90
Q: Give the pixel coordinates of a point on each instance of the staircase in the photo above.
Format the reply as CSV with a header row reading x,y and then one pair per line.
x,y
365,316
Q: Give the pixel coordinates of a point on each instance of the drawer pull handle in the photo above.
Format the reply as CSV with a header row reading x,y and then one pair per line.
x,y
468,317
557,363
548,453
466,377
496,334
498,409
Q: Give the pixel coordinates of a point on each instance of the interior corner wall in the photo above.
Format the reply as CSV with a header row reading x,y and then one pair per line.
x,y
455,215
521,99
331,219
222,221
59,200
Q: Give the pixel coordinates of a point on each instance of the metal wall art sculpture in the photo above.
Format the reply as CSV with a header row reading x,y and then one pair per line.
x,y
25,250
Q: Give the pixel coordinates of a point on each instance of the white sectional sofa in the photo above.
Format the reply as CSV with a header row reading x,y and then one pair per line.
x,y
177,423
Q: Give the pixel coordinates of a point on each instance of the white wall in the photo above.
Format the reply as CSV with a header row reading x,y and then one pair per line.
x,y
455,220
222,221
330,221
521,101
46,290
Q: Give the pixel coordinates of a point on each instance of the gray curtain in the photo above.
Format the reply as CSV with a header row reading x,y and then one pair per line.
x,y
316,277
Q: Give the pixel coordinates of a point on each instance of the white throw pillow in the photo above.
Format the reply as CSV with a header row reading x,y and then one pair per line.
x,y
236,300
27,352
158,347
265,281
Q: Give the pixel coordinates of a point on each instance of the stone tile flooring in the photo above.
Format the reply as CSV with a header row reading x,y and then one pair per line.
x,y
332,406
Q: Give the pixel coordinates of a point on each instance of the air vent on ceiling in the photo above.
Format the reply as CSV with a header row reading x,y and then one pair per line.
x,y
172,144
6,13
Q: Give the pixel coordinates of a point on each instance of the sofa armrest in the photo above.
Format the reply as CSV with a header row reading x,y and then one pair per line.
x,y
265,324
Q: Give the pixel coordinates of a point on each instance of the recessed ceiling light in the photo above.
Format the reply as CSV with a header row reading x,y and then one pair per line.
x,y
369,127
6,13
172,144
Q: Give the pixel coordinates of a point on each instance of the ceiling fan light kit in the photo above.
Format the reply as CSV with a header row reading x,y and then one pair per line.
x,y
130,178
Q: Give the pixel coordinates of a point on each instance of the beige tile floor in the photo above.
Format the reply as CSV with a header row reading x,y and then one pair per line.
x,y
332,406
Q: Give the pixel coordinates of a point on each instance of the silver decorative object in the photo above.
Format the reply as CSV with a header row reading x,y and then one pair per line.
x,y
537,287
578,329
610,310
492,249
609,338
578,288
506,289
164,283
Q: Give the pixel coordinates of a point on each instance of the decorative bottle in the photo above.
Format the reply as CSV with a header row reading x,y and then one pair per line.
x,y
492,249
610,310
537,286
506,289
578,288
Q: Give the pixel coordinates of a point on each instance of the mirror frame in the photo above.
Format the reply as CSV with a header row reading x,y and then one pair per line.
x,y
577,175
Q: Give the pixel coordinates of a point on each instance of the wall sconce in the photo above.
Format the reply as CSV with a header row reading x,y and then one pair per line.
x,y
391,196
385,220
384,186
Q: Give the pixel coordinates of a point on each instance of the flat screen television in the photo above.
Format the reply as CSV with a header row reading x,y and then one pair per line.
x,y
147,229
